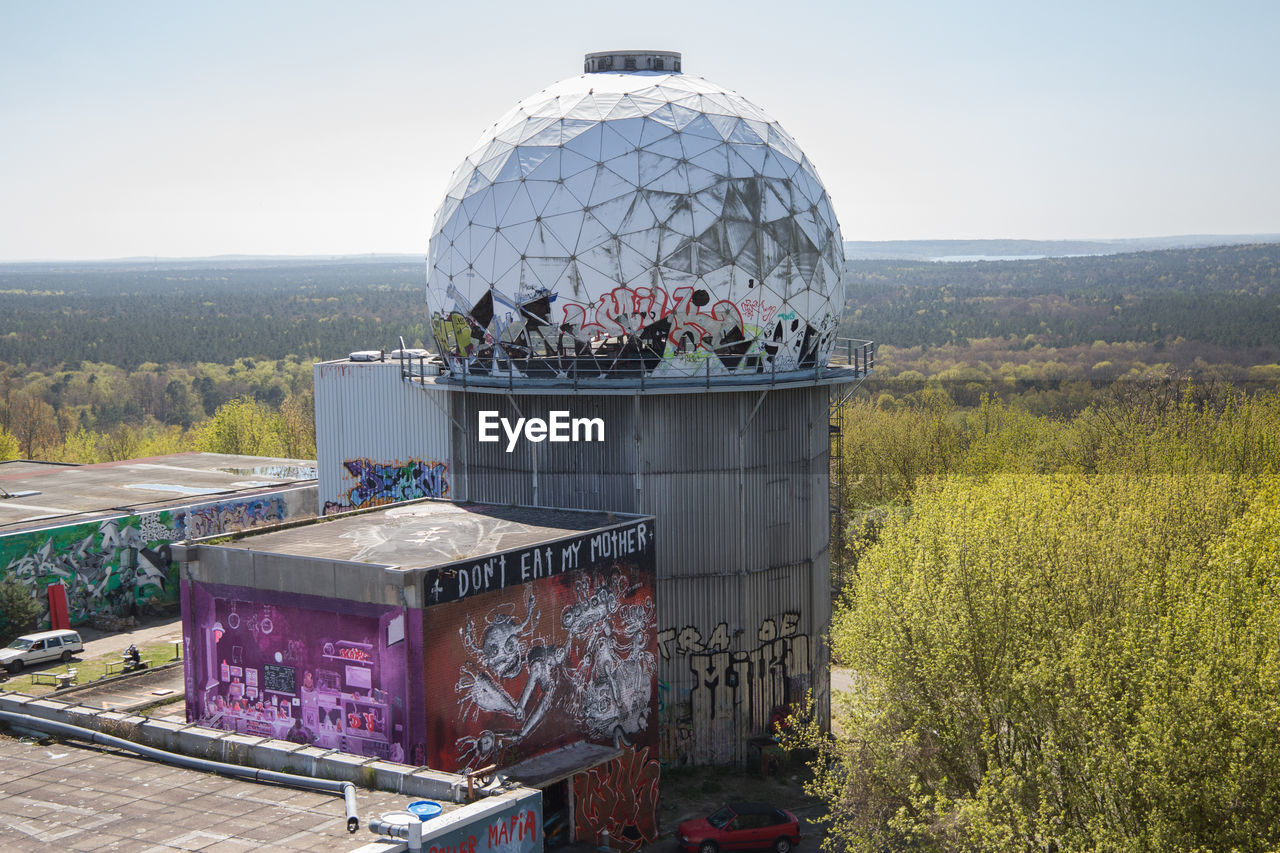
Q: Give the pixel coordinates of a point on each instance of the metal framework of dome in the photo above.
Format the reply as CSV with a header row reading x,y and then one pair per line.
x,y
624,224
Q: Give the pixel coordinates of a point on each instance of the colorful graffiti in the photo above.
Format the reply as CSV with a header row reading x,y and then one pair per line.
x,y
116,565
731,689
550,644
629,331
309,670
620,798
216,519
380,483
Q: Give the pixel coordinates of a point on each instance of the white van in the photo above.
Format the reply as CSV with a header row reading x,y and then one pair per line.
x,y
41,647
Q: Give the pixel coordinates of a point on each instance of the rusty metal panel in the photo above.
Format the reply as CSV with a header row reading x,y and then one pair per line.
x,y
379,439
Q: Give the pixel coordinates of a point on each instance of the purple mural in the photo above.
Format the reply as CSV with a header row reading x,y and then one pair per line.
x,y
310,670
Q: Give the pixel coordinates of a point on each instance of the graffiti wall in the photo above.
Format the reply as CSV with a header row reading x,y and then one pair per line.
x,y
369,483
516,828
621,798
534,648
725,681
301,668
114,565
633,330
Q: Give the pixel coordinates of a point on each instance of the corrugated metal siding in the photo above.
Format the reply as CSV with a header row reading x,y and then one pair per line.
x,y
742,535
366,411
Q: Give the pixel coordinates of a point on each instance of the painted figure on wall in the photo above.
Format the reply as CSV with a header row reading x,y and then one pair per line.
x,y
588,671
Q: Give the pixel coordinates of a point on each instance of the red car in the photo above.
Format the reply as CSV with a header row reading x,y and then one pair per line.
x,y
740,826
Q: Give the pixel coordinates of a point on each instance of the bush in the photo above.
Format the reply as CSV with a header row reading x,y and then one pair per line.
x,y
19,610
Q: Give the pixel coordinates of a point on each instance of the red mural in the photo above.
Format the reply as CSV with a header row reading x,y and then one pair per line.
x,y
691,320
518,671
621,798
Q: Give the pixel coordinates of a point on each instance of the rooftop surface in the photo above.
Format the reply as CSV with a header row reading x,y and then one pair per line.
x,y
69,796
42,494
425,533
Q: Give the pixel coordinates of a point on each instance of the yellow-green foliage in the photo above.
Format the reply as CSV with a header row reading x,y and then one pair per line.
x,y
1068,661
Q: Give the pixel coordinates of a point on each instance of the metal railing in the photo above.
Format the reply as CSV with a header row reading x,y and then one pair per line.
x,y
613,363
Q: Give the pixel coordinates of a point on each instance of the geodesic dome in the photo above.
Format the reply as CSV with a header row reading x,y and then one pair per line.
x,y
623,223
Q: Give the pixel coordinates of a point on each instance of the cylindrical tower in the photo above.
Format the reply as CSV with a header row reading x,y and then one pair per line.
x,y
650,249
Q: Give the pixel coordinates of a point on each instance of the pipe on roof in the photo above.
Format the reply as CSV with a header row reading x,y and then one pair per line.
x,y
291,780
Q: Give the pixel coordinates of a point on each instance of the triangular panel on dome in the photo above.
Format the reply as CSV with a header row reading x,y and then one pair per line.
x,y
725,125
783,143
551,134
653,166
626,108
740,205
482,258
540,193
543,243
626,166
634,264
597,272
710,253
531,157
621,136
520,208
736,167
772,251
680,221
562,201
664,116
663,204
739,237
580,185
699,178
654,131
806,222
612,212
549,169
673,181
519,234
701,126
605,103
667,146
639,215
484,213
810,188
774,205
777,166
714,160
744,132
681,259
758,126
573,163
587,142
506,257
703,216
609,185
592,232
543,272
685,117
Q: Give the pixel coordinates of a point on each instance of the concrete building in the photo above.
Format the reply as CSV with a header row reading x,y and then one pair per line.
x,y
104,531
454,636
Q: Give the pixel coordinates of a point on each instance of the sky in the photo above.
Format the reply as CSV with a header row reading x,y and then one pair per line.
x,y
192,129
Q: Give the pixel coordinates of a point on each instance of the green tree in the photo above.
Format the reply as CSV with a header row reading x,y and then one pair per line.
x,y
1064,662
19,609
243,426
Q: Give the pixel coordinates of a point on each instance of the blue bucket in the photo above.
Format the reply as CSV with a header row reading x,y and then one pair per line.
x,y
424,809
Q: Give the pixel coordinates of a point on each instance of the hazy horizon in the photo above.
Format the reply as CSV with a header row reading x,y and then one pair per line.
x,y
146,129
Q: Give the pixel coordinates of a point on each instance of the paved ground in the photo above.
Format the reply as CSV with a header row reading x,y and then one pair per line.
x,y
74,797
101,643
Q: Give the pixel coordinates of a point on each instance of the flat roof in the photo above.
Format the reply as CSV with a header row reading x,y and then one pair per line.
x,y
425,533
45,494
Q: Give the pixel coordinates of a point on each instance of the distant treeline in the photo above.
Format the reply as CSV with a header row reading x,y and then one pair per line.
x,y
1224,297
130,315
